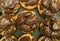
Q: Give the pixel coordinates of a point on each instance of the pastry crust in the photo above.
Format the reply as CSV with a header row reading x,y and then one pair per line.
x,y
28,35
39,9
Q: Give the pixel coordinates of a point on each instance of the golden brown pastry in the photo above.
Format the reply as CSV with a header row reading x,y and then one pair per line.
x,y
48,7
8,38
27,21
27,37
50,27
29,4
43,38
9,6
7,25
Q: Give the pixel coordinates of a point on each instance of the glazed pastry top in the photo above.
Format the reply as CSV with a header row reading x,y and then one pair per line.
x,y
27,21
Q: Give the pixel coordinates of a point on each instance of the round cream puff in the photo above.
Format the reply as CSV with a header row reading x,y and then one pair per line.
x,y
50,27
27,21
48,7
10,7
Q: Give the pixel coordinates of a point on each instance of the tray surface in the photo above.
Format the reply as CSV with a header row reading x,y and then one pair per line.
x,y
37,33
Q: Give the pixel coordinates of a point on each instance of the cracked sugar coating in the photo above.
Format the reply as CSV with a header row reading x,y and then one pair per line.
x,y
27,21
6,25
8,38
9,6
50,27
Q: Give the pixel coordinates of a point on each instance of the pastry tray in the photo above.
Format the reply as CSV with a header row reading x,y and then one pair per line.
x,y
37,33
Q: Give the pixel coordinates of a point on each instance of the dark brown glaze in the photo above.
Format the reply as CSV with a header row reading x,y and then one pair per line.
x,y
50,27
6,23
26,38
9,6
9,38
30,2
27,22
